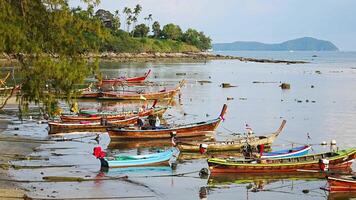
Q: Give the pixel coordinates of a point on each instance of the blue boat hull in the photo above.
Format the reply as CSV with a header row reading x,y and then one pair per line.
x,y
294,152
139,160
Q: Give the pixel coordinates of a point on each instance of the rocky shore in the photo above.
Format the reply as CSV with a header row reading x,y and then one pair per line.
x,y
186,55
163,56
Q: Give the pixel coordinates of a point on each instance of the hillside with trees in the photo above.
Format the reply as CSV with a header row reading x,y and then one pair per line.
x,y
147,37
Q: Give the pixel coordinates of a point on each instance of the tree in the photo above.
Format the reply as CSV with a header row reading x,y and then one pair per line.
x,y
156,28
141,30
128,12
171,31
47,39
136,12
198,39
148,19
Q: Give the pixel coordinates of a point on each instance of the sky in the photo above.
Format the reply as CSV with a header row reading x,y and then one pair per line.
x,y
269,21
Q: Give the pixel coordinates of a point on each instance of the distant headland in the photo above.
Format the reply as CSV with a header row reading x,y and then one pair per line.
x,y
299,44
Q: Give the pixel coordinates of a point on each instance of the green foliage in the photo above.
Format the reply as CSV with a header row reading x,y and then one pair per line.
x,y
171,31
48,38
141,30
198,39
156,28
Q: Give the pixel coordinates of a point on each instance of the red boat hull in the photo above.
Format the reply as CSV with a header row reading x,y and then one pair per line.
x,y
290,169
339,184
128,80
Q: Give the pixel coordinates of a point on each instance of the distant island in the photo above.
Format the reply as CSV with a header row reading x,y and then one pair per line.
x,y
300,44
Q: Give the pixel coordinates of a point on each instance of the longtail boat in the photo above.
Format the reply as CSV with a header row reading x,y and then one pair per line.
x,y
133,160
163,94
137,79
233,145
111,117
292,152
199,129
287,153
88,126
335,160
345,183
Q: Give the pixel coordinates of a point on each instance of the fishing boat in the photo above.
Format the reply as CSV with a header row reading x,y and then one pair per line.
x,y
296,151
340,160
233,145
136,95
158,158
119,80
199,129
97,117
344,183
286,153
88,126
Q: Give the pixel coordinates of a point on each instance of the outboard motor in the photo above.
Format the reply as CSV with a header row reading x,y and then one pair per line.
x,y
100,154
203,148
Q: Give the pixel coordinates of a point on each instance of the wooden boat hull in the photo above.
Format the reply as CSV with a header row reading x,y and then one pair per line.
x,y
190,130
151,111
137,96
340,161
196,131
137,79
341,184
236,145
168,94
88,94
60,127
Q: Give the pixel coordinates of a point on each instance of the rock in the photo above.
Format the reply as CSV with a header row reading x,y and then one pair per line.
x,y
181,73
229,98
226,85
318,72
312,86
305,191
285,86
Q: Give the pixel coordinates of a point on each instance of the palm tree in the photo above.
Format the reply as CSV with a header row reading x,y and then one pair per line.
x,y
149,18
127,11
136,12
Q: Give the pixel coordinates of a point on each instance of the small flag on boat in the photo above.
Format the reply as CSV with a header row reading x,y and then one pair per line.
x,y
248,128
143,98
308,136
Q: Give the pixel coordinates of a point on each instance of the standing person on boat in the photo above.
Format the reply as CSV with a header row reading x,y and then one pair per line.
x,y
140,123
152,121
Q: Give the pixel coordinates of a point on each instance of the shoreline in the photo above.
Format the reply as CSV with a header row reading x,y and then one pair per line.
x,y
186,55
111,56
